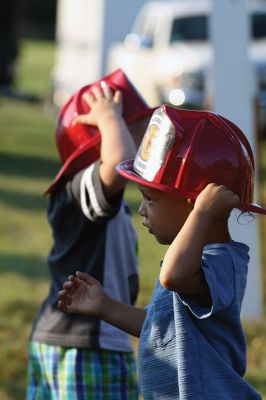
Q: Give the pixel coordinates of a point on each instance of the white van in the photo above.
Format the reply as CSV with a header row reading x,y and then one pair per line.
x,y
168,54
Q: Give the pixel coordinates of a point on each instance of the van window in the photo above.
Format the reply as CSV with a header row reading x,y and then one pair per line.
x,y
189,29
258,26
196,28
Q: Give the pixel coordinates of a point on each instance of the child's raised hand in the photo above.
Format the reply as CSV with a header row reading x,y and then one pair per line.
x,y
103,103
81,294
216,200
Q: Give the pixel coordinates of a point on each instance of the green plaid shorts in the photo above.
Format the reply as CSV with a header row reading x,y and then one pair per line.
x,y
66,373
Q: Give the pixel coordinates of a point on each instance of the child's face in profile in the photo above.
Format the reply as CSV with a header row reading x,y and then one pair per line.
x,y
163,214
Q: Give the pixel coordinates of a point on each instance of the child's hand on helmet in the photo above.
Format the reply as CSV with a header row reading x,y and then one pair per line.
x,y
217,201
103,104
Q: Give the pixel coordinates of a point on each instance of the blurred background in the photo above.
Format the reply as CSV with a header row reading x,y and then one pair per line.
x,y
47,51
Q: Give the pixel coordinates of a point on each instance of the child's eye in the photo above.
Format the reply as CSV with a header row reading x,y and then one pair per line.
x,y
147,198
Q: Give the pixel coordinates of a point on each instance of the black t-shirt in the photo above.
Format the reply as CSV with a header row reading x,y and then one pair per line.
x,y
92,234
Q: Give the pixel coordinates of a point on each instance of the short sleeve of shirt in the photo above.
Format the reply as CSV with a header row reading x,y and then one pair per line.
x,y
87,188
219,271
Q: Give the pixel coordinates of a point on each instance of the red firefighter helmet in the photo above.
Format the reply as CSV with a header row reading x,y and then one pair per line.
x,y
79,145
183,151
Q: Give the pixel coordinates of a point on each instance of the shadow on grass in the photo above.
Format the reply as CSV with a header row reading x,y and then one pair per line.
x,y
28,166
24,201
30,267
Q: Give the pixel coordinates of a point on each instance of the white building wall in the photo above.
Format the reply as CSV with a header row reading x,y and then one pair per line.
x,y
119,16
233,98
85,30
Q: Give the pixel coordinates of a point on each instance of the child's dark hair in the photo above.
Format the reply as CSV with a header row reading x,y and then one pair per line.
x,y
248,216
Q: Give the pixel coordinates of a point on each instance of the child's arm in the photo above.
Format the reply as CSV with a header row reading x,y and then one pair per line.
x,y
207,222
116,144
84,295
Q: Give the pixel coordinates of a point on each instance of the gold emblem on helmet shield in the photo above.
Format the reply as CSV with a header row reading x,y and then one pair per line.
x,y
148,142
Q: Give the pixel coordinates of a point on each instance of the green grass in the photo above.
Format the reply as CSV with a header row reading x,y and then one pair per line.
x,y
28,162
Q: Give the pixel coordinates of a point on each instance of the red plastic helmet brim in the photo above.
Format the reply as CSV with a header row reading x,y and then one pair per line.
x,y
76,162
125,169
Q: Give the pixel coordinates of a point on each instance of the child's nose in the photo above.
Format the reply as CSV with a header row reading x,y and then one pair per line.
x,y
142,209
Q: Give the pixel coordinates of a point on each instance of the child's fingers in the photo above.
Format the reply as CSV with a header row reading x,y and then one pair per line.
x,y
232,197
71,277
98,93
71,285
108,94
62,307
81,119
86,278
64,297
118,97
236,199
89,98
71,281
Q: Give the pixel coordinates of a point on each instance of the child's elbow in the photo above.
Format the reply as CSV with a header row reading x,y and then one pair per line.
x,y
165,282
170,281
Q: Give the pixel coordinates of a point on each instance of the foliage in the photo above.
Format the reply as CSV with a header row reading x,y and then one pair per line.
x,y
39,19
